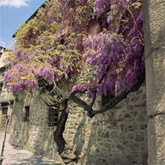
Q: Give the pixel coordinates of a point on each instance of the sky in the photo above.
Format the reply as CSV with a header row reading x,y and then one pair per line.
x,y
13,13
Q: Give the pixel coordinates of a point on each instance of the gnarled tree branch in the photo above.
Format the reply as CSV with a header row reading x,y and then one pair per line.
x,y
93,101
80,102
122,95
112,102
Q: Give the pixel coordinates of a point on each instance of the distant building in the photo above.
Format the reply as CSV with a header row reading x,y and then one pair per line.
x,y
2,49
6,98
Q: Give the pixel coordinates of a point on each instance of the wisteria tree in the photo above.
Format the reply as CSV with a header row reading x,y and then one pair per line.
x,y
56,48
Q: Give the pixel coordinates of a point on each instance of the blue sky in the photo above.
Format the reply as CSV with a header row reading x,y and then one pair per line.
x,y
13,13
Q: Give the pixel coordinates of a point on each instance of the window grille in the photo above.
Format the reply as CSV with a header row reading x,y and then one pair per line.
x,y
52,117
27,110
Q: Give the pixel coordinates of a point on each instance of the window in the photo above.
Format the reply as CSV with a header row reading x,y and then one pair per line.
x,y
53,117
27,110
3,117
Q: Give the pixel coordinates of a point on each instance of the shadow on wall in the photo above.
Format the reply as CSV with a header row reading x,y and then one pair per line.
x,y
118,137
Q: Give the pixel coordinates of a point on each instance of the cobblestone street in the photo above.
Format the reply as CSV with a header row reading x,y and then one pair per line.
x,y
14,156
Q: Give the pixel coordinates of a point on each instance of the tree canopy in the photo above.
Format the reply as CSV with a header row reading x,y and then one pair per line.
x,y
57,44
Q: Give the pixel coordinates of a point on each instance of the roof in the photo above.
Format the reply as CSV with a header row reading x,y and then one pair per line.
x,y
35,13
31,17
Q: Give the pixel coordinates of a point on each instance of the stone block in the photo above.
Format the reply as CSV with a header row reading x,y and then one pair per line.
x,y
155,78
140,91
154,27
156,140
139,138
154,23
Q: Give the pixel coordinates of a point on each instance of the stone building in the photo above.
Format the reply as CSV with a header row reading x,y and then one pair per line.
x,y
117,137
2,50
6,99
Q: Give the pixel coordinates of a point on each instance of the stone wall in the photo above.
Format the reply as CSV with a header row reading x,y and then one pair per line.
x,y
33,135
6,97
154,35
117,137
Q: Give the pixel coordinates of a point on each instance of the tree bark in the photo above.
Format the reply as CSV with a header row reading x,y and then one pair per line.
x,y
58,134
112,102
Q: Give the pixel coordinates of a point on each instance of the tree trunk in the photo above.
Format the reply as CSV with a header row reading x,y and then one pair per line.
x,y
58,134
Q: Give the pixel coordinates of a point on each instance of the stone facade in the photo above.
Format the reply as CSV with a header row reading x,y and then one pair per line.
x,y
32,134
6,98
117,137
154,27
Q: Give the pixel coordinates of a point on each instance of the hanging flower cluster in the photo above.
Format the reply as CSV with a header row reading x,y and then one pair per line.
x,y
116,54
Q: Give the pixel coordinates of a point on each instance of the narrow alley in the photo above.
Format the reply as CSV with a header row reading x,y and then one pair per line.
x,y
13,156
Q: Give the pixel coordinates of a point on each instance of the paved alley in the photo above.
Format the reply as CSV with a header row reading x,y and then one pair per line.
x,y
13,156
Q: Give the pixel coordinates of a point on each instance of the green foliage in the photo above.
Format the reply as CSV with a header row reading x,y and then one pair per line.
x,y
59,43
